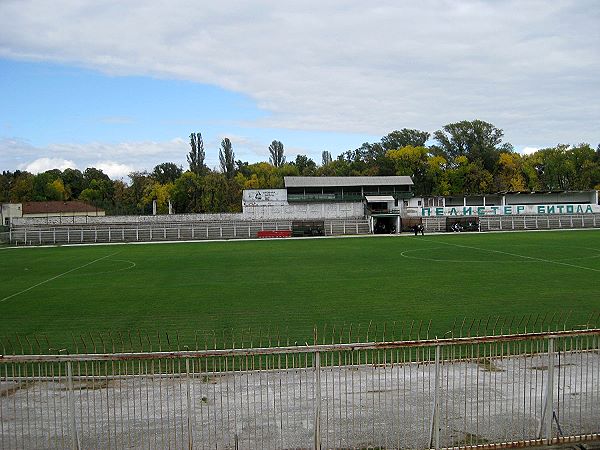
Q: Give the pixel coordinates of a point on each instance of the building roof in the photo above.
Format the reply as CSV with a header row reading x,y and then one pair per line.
x,y
347,181
55,207
379,198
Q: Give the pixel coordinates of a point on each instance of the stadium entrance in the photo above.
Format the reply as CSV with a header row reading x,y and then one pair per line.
x,y
385,223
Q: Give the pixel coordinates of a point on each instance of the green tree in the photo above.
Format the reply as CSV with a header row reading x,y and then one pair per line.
x,y
305,165
91,173
159,192
214,194
135,193
56,190
404,138
479,141
227,158
583,157
411,161
6,180
276,154
91,196
21,189
436,176
339,167
263,176
74,181
554,169
326,158
197,155
121,204
166,172
187,193
49,185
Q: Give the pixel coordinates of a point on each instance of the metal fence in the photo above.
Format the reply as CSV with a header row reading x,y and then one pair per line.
x,y
181,231
490,391
515,223
539,222
81,234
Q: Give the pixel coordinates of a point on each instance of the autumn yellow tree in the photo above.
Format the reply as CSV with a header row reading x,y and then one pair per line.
x,y
509,176
159,192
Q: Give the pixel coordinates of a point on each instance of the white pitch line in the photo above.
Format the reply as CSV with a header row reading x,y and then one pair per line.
x,y
523,256
58,276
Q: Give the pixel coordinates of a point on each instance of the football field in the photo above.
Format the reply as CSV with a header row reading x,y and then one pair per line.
x,y
392,285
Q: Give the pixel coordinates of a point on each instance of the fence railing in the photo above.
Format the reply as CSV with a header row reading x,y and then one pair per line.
x,y
539,222
81,234
525,389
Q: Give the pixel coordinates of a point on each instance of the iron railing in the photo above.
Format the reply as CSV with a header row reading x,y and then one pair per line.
x,y
82,234
486,391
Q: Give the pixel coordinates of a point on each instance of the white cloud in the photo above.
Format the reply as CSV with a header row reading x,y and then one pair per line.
x,y
114,169
116,160
528,150
44,164
529,67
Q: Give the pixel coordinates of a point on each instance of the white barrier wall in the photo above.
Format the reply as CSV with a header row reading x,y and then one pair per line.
x,y
340,210
251,212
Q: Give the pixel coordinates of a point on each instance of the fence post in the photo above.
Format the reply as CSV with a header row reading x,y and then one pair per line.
x,y
71,401
434,436
549,409
189,405
317,426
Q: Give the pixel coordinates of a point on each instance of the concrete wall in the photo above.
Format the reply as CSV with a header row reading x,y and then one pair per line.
x,y
10,211
256,212
306,211
107,220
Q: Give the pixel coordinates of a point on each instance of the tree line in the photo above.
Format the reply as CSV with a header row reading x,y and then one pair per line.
x,y
467,157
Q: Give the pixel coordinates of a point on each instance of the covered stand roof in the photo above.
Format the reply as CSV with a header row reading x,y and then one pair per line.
x,y
347,181
379,198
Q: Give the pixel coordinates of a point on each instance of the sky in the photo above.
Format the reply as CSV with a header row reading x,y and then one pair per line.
x,y
120,85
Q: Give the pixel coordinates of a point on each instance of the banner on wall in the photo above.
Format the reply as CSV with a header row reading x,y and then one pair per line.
x,y
264,197
508,210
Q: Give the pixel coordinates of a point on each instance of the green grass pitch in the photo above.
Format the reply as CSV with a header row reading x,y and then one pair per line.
x,y
287,287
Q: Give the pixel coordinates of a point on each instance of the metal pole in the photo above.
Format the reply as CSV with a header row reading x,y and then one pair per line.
x,y
548,413
317,426
434,435
189,405
71,401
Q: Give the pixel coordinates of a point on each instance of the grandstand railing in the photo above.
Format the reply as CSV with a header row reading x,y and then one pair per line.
x,y
485,392
81,234
539,222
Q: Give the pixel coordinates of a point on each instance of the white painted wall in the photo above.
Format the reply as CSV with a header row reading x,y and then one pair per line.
x,y
9,212
354,210
252,212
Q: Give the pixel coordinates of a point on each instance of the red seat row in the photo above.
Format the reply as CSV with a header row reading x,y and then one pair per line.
x,y
274,234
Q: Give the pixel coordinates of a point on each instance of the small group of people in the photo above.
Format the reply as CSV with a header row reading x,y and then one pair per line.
x,y
419,228
457,228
